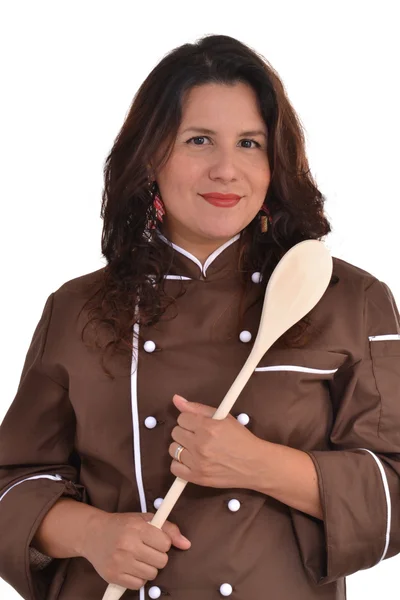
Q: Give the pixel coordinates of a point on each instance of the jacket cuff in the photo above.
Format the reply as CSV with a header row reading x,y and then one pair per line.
x,y
22,510
352,535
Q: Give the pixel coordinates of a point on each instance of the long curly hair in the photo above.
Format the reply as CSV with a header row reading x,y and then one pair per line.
x,y
131,289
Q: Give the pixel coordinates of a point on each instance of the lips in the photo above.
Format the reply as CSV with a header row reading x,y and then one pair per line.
x,y
219,196
221,200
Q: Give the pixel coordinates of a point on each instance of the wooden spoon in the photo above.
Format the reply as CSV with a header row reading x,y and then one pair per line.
x,y
296,285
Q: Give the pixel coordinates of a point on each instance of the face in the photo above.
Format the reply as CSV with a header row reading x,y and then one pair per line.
x,y
227,161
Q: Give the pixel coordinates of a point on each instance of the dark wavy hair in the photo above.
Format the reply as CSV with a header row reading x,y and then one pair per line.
x,y
136,263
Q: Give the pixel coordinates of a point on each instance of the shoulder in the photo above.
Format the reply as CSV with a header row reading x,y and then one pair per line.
x,y
358,284
351,276
68,301
81,286
347,292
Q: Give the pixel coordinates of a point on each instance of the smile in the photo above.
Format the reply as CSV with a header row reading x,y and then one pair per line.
x,y
219,200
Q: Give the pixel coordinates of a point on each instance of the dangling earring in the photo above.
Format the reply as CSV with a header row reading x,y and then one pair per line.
x,y
157,206
265,218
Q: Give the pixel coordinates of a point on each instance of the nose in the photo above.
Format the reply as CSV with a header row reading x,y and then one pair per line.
x,y
223,166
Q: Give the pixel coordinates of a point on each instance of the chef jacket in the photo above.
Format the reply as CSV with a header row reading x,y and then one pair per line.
x,y
73,431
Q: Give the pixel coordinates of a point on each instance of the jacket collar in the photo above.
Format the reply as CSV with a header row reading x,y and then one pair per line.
x,y
222,263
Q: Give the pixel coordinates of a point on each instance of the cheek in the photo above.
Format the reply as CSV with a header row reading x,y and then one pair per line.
x,y
261,173
179,178
263,179
255,201
261,188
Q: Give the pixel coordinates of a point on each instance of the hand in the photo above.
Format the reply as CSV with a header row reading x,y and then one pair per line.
x,y
126,549
217,453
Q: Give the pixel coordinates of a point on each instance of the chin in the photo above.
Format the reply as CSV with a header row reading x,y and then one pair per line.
x,y
223,229
221,234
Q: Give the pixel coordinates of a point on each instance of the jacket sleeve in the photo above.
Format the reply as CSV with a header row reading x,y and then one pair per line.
x,y
359,477
37,466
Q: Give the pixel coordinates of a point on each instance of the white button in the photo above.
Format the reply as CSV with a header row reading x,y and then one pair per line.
x,y
226,589
157,503
234,505
154,592
150,422
245,336
149,346
256,277
243,419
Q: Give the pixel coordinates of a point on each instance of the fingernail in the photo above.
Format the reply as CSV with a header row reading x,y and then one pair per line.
x,y
185,539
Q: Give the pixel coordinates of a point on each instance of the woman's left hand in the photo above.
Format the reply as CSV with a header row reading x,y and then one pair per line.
x,y
217,453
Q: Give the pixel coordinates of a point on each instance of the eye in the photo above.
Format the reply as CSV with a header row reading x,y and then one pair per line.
x,y
201,137
252,141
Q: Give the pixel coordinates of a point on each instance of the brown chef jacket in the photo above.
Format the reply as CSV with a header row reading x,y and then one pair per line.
x,y
72,431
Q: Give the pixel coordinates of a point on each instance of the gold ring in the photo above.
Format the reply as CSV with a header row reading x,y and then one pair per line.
x,y
178,453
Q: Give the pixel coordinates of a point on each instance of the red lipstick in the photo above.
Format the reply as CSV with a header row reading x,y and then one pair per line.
x,y
223,200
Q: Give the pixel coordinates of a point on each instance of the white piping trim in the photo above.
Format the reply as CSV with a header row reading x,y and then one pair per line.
x,y
179,277
135,421
193,258
388,502
182,251
218,251
136,430
376,338
53,477
295,368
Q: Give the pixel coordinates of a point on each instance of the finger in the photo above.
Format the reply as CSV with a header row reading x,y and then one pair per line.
x,y
182,471
127,581
189,421
177,538
182,436
155,538
185,456
151,556
147,516
193,407
140,569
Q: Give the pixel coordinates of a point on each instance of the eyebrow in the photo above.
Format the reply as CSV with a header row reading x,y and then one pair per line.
x,y
211,132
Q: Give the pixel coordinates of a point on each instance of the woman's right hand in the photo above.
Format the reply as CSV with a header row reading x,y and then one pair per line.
x,y
126,549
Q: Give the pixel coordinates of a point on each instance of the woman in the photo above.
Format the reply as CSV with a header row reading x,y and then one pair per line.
x,y
300,485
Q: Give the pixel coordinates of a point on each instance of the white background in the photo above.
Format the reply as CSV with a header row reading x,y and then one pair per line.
x,y
69,73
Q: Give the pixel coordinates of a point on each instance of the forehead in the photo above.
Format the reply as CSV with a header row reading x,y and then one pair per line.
x,y
216,105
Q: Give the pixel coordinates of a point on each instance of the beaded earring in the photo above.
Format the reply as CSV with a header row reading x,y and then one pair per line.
x,y
157,206
265,218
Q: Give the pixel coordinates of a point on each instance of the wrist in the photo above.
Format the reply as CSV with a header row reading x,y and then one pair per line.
x,y
262,466
90,531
